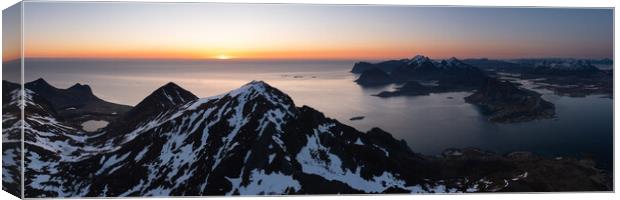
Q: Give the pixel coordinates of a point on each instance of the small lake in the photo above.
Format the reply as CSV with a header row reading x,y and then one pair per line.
x,y
94,125
429,124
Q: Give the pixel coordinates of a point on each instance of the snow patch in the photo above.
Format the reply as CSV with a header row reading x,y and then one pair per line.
x,y
113,160
359,141
141,153
262,183
331,168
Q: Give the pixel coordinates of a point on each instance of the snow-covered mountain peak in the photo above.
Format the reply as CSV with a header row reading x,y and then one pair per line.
x,y
453,60
256,89
453,63
419,59
568,66
252,86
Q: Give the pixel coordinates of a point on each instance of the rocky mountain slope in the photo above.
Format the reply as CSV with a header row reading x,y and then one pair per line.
x,y
11,138
255,140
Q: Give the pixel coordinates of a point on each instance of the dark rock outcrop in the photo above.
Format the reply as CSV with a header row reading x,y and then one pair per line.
x,y
360,67
505,102
527,171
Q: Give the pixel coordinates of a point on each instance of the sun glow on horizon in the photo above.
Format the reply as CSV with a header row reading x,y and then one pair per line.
x,y
223,57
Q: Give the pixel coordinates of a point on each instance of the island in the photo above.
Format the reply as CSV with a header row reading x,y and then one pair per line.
x,y
505,102
501,100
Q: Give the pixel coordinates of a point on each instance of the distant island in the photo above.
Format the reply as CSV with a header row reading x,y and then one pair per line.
x,y
493,89
565,77
508,103
450,73
570,77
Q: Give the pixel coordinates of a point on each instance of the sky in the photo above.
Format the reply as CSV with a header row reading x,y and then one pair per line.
x,y
294,31
11,32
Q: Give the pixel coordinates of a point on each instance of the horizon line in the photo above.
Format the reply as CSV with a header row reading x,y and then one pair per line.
x,y
284,59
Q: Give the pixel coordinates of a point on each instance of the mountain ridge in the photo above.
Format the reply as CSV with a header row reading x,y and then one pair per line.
x,y
254,140
75,101
167,96
449,72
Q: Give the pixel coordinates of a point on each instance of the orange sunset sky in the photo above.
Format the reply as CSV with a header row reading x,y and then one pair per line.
x,y
288,31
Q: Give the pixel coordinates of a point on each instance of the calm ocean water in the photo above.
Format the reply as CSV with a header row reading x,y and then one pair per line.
x,y
429,124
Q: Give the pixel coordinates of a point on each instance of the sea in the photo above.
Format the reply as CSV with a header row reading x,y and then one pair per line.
x,y
429,124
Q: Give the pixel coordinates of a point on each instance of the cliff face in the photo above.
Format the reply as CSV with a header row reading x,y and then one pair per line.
x,y
373,77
